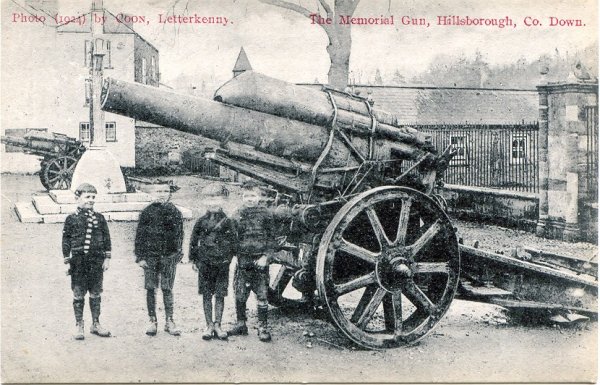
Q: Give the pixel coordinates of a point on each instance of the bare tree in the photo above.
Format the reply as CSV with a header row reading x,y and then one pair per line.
x,y
340,39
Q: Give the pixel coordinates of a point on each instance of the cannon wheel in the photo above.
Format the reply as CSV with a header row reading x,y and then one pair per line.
x,y
42,174
58,172
388,267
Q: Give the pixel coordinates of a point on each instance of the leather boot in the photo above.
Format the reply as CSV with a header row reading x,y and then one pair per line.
x,y
171,328
239,329
263,331
169,324
152,327
96,328
78,305
208,333
79,333
220,333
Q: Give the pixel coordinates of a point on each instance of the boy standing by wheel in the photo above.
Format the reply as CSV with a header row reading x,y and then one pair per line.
x,y
212,246
256,239
86,248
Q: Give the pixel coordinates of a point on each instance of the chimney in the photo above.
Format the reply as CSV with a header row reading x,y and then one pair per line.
x,y
97,5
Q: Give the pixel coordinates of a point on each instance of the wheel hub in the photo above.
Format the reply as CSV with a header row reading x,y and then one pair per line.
x,y
394,269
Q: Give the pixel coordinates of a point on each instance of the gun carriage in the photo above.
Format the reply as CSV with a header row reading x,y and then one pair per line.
x,y
364,233
60,154
355,199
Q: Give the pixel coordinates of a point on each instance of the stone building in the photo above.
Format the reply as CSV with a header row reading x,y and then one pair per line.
x,y
55,77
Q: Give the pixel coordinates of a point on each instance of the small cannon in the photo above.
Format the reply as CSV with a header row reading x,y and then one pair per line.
x,y
354,197
60,154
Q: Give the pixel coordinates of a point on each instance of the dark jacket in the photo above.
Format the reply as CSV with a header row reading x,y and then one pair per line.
x,y
213,239
159,232
73,235
256,231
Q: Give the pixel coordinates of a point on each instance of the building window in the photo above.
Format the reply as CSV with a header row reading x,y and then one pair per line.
x,y
111,131
84,131
519,148
107,58
153,69
144,72
88,53
459,143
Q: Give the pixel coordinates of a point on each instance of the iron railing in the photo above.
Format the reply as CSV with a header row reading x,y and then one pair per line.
x,y
496,156
591,122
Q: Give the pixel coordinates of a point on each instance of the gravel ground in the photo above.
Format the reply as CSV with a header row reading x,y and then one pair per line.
x,y
499,239
474,342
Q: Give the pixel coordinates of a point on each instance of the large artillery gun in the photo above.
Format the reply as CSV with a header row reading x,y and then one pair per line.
x,y
365,230
59,155
355,200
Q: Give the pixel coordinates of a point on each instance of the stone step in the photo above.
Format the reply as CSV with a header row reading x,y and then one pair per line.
x,y
55,218
44,209
44,204
27,212
67,197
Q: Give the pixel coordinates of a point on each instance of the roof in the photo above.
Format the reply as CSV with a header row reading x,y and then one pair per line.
x,y
445,105
110,26
242,63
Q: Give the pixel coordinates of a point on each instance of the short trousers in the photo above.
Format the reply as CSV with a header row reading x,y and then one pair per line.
x,y
213,279
160,272
86,275
248,277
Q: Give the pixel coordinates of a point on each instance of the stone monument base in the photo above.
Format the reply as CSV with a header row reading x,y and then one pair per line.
x,y
56,205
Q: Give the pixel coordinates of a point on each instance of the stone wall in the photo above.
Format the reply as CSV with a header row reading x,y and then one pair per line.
x,y
499,207
160,151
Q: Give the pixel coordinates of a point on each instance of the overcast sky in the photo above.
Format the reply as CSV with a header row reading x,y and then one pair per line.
x,y
285,45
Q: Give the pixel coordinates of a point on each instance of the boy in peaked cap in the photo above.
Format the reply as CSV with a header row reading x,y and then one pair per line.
x,y
86,248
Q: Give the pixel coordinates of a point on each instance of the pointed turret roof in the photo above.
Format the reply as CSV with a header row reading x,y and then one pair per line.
x,y
242,63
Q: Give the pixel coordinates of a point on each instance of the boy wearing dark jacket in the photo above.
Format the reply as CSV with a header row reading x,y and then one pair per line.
x,y
86,248
256,240
212,246
158,242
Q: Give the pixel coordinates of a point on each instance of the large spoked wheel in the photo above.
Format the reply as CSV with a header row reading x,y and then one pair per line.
x,y
58,173
388,267
42,175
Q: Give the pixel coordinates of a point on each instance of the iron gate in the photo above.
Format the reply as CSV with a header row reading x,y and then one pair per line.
x,y
591,122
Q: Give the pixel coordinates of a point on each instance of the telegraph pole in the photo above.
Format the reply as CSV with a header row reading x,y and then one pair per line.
x,y
97,128
98,165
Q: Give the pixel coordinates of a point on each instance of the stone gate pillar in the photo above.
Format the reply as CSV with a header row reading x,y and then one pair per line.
x,y
562,155
543,162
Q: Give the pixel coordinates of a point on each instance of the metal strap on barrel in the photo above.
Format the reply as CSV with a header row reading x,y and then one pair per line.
x,y
373,128
329,141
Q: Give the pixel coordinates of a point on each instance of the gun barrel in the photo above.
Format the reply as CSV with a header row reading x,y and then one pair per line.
x,y
315,106
14,141
225,123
